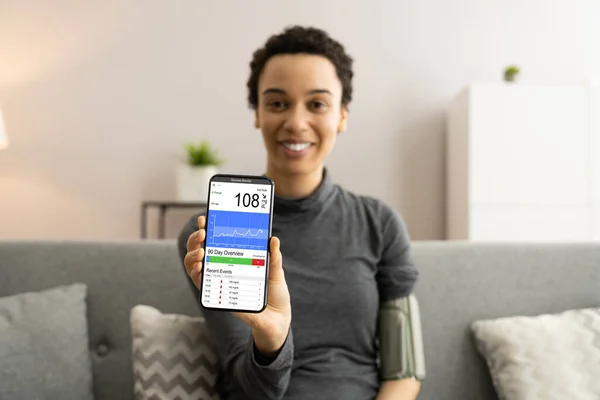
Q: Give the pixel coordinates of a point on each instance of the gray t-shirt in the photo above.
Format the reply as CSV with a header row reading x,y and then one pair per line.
x,y
343,254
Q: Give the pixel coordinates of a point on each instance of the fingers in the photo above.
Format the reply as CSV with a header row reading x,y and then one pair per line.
x,y
192,242
194,265
275,263
196,274
195,255
197,238
193,260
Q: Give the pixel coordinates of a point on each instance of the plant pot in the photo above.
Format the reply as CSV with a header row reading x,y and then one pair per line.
x,y
192,182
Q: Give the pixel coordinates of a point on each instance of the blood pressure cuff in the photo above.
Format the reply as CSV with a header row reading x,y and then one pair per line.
x,y
401,340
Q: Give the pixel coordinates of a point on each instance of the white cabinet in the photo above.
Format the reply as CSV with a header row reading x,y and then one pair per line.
x,y
523,163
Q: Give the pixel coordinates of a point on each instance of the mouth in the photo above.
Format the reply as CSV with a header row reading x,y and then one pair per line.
x,y
296,146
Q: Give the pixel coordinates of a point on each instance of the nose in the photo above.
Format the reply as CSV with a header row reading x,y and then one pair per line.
x,y
296,120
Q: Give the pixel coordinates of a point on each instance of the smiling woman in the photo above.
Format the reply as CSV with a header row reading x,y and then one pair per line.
x,y
300,86
337,257
299,114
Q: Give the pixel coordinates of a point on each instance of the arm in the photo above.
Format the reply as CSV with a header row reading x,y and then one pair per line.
x,y
249,372
249,362
397,274
402,389
399,327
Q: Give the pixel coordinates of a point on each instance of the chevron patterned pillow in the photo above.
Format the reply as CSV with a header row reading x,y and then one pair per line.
x,y
549,356
173,357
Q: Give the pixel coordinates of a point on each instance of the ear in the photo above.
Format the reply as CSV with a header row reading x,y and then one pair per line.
x,y
343,119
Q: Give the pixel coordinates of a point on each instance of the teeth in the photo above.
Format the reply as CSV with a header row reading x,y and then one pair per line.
x,y
296,146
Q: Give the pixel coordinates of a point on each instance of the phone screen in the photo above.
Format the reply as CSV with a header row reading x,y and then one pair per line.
x,y
238,228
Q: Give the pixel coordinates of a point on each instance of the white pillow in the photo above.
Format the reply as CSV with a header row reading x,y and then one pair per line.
x,y
173,357
549,356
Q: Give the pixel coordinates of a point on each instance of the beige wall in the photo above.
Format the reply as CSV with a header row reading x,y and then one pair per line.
x,y
98,97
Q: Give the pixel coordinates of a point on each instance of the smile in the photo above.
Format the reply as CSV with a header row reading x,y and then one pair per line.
x,y
296,146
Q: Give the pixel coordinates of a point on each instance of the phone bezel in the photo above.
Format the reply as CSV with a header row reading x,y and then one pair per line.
x,y
255,179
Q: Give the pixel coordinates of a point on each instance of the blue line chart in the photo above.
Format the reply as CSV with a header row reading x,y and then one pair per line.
x,y
239,230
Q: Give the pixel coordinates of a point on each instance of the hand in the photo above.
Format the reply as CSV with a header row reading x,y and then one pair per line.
x,y
270,327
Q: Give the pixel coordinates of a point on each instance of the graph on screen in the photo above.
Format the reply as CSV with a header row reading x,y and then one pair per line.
x,y
241,230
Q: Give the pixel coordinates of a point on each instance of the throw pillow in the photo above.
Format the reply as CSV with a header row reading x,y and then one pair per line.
x,y
44,351
173,356
549,356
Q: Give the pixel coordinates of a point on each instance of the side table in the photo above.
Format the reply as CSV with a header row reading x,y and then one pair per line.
x,y
163,207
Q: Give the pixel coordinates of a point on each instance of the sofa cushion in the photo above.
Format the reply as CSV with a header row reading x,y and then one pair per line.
x,y
547,356
44,352
173,356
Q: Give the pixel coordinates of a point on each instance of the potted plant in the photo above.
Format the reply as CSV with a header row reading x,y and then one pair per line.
x,y
511,72
202,162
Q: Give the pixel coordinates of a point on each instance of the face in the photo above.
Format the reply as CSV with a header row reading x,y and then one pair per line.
x,y
299,112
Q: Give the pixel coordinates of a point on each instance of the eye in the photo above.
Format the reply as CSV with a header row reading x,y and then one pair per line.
x,y
318,105
276,104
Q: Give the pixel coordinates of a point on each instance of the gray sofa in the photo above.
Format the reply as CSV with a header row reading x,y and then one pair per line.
x,y
460,283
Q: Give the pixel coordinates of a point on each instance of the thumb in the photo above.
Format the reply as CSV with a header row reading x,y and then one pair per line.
x,y
275,264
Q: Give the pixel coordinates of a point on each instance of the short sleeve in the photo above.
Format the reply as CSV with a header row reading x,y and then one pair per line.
x,y
396,272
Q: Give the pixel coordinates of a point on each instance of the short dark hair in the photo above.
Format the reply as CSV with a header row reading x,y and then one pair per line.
x,y
306,40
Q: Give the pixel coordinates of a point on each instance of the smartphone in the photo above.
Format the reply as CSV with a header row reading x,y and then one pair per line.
x,y
236,248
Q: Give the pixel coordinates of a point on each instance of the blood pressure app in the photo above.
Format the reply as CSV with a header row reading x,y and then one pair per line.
x,y
237,239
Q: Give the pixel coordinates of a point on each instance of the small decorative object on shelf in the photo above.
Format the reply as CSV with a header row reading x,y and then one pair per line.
x,y
202,162
510,73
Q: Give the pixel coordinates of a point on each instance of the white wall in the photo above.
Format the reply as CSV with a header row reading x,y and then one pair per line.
x,y
99,97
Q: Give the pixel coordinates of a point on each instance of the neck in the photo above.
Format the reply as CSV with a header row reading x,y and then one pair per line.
x,y
295,185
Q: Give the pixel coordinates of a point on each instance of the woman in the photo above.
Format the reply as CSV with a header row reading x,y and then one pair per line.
x,y
336,256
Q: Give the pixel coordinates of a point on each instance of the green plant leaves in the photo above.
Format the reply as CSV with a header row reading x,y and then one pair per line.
x,y
511,72
202,154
